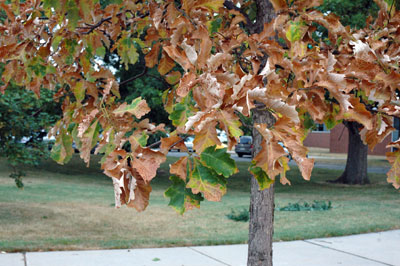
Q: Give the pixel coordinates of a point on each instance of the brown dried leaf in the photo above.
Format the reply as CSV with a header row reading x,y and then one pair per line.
x,y
172,142
152,56
206,137
179,168
147,162
142,195
186,84
166,64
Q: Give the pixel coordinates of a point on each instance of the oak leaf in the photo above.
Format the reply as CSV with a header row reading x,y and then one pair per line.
x,y
181,198
146,162
205,180
179,168
138,108
219,160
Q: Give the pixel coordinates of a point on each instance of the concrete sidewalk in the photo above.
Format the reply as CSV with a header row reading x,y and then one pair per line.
x,y
358,250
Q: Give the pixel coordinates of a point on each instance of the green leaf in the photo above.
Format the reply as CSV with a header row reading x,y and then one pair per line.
x,y
101,51
72,14
138,139
205,180
47,4
296,31
181,198
214,25
308,122
181,112
56,42
262,178
92,133
79,91
127,51
62,150
330,122
219,160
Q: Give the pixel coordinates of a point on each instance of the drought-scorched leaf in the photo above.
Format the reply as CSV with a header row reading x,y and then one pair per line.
x,y
180,168
147,162
62,150
138,108
206,138
219,160
394,160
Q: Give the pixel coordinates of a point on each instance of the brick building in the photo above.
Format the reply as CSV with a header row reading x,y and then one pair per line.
x,y
337,139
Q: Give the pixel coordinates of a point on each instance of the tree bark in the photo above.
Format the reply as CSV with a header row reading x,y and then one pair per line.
x,y
261,205
261,202
356,164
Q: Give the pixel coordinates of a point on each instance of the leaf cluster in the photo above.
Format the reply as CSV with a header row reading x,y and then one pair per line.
x,y
216,62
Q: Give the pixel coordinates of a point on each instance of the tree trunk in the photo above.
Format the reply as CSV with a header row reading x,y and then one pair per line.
x,y
261,202
261,205
356,164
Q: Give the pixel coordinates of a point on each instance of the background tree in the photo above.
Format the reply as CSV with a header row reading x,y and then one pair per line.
x,y
24,121
353,14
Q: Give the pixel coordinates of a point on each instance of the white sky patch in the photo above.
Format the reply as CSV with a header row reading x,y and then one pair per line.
x,y
267,69
237,108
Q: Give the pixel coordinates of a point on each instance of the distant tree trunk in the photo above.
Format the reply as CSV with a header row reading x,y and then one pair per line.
x,y
356,164
261,202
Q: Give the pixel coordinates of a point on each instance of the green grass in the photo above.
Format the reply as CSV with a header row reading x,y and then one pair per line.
x,y
71,207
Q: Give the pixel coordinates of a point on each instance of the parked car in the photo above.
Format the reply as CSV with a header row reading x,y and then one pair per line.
x,y
245,146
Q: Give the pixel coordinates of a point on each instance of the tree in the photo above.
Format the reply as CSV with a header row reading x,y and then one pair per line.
x,y
232,62
24,120
354,14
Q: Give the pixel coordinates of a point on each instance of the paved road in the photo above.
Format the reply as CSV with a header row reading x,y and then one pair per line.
x,y
338,166
374,249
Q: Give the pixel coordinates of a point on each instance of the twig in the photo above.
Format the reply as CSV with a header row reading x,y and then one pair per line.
x,y
133,78
231,6
160,79
159,142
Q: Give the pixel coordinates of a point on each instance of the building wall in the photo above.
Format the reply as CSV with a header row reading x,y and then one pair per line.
x,y
320,139
339,139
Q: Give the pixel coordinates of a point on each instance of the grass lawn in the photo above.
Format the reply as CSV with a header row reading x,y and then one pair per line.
x,y
71,207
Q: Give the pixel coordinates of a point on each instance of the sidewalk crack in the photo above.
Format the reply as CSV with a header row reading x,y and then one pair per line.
x,y
25,261
209,256
348,253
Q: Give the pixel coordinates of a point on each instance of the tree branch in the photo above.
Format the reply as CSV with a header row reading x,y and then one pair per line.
x,y
231,6
133,78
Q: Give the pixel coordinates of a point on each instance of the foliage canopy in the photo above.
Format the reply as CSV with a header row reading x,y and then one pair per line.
x,y
228,69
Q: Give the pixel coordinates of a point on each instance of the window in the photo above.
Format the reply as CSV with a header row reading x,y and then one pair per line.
x,y
320,128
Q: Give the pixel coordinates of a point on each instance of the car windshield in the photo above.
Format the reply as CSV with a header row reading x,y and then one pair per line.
x,y
245,140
